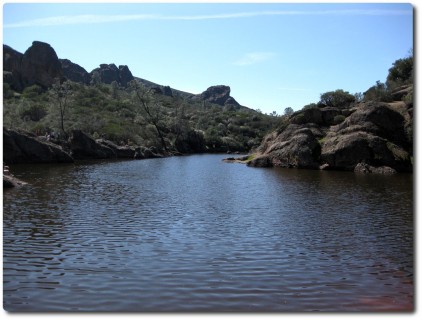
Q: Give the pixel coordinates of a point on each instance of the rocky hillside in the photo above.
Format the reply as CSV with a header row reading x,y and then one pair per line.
x,y
40,65
370,136
104,103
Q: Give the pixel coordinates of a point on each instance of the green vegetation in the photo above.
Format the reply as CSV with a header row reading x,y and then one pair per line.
x,y
136,116
400,75
337,99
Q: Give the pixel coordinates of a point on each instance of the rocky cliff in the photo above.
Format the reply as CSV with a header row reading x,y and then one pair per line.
x,y
365,136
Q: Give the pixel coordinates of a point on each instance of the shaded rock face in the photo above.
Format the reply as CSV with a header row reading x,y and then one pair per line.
x,y
109,73
217,94
377,135
12,68
84,147
74,72
40,65
22,147
192,142
346,151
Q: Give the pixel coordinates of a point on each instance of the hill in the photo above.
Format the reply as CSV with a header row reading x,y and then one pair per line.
x,y
45,94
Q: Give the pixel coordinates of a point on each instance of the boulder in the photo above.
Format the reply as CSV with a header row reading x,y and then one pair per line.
x,y
345,151
295,147
84,147
40,65
366,168
378,119
22,147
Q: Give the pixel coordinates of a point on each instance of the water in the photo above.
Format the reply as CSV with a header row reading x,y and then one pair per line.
x,y
197,234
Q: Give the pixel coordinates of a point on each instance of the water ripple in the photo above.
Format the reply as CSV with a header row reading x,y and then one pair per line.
x,y
196,234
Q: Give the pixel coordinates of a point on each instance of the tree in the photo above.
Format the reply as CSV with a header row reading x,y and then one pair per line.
x,y
151,108
400,73
337,99
378,92
61,93
288,111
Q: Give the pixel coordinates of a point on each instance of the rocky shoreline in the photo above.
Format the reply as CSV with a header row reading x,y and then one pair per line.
x,y
20,147
372,137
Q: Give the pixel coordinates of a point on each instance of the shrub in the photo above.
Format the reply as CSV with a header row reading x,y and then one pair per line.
x,y
337,99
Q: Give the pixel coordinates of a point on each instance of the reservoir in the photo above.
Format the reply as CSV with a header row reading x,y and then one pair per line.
x,y
193,233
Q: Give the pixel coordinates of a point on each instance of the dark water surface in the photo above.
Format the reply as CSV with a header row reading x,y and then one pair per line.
x,y
196,234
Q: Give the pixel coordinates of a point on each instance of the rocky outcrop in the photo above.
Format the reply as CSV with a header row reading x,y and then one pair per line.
x,y
217,94
295,147
368,137
366,168
22,147
119,151
74,72
107,73
38,65
84,147
12,61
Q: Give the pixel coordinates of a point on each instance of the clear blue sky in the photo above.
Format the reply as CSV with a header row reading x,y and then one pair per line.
x,y
273,56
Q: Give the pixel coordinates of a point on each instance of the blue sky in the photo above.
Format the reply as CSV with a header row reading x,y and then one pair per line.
x,y
273,55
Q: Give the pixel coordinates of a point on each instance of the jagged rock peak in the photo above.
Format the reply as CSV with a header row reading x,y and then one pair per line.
x,y
107,73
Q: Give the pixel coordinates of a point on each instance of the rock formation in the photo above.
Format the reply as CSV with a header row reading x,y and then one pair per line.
x,y
74,72
107,73
12,61
40,65
22,147
217,94
368,137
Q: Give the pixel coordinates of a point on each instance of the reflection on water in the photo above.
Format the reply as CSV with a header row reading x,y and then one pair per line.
x,y
196,234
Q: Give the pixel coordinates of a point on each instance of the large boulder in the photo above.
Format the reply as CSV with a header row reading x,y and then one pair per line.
x,y
345,151
40,65
379,119
22,147
295,147
84,147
